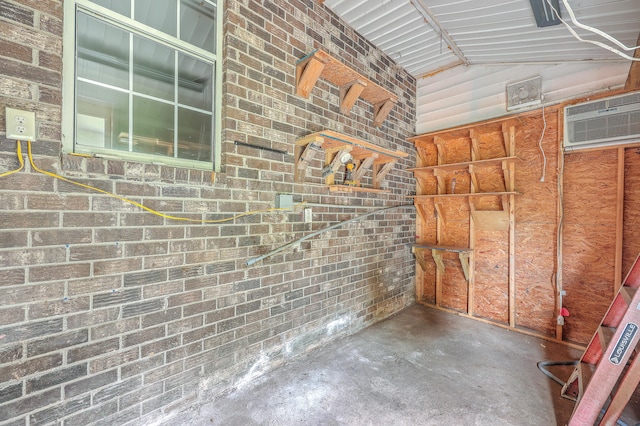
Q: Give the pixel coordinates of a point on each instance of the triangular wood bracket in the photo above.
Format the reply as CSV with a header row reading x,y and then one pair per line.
x,y
305,152
381,110
308,70
365,164
380,171
349,94
419,255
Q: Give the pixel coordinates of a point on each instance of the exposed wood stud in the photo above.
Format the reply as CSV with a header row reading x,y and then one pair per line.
x,y
440,212
633,78
475,150
619,220
475,186
510,148
440,177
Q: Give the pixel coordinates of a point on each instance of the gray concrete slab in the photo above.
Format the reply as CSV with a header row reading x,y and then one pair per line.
x,y
420,367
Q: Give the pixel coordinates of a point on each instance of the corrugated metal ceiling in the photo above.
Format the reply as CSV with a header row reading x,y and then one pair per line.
x,y
485,31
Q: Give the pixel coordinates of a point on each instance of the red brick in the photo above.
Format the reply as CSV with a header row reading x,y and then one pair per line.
x,y
29,367
13,239
94,285
116,266
59,272
59,307
33,293
32,403
60,202
12,315
50,237
92,350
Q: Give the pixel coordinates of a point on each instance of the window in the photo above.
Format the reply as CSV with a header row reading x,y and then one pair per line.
x,y
143,80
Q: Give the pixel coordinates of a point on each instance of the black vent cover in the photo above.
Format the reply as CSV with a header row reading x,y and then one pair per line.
x,y
544,14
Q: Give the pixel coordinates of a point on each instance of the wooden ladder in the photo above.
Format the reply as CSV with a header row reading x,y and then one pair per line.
x,y
607,374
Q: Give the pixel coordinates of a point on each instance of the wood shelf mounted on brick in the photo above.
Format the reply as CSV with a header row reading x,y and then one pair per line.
x,y
464,183
352,84
365,155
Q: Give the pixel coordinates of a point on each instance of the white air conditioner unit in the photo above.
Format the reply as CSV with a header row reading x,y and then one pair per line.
x,y
605,122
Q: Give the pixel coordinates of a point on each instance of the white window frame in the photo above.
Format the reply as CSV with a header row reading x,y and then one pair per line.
x,y
71,8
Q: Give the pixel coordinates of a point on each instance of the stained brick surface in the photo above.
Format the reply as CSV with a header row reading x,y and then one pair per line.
x,y
113,315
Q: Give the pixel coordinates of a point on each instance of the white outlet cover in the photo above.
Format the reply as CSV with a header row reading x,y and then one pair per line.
x,y
21,125
524,93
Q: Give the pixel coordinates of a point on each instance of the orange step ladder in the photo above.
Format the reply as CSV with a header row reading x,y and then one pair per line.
x,y
607,375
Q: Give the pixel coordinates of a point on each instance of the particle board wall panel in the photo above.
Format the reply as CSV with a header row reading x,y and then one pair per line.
x,y
428,277
590,187
427,153
488,202
456,150
454,285
491,286
490,178
490,142
631,230
535,276
588,276
589,240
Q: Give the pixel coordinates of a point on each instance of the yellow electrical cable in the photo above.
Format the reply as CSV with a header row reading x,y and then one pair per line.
x,y
126,200
19,152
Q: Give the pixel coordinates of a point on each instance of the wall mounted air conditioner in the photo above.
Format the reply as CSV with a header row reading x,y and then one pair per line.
x,y
605,122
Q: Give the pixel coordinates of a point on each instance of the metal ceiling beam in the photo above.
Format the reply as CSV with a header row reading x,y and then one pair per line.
x,y
437,26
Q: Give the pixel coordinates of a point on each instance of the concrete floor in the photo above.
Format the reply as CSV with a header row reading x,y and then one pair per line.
x,y
421,367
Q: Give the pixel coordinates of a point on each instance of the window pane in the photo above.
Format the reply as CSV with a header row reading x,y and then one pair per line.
x,y
152,127
120,6
194,135
195,82
102,51
153,68
198,24
158,14
103,117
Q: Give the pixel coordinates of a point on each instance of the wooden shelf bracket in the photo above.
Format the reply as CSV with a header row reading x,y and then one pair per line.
x,y
349,94
335,145
353,85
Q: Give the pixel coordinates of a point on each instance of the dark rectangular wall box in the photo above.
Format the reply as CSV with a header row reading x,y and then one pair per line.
x,y
544,13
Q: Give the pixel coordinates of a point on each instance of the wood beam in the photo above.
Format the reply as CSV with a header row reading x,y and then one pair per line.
x,y
633,79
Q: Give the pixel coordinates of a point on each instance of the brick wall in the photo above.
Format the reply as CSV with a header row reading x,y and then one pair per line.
x,y
115,315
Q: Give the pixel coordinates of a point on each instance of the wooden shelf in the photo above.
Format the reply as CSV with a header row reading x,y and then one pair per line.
x,y
442,248
352,84
465,165
436,253
475,165
365,155
348,188
418,198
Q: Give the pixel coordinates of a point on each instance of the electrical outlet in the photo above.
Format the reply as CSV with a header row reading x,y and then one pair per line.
x,y
20,124
308,215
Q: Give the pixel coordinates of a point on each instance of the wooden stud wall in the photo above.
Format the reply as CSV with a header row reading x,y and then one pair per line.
x,y
598,214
